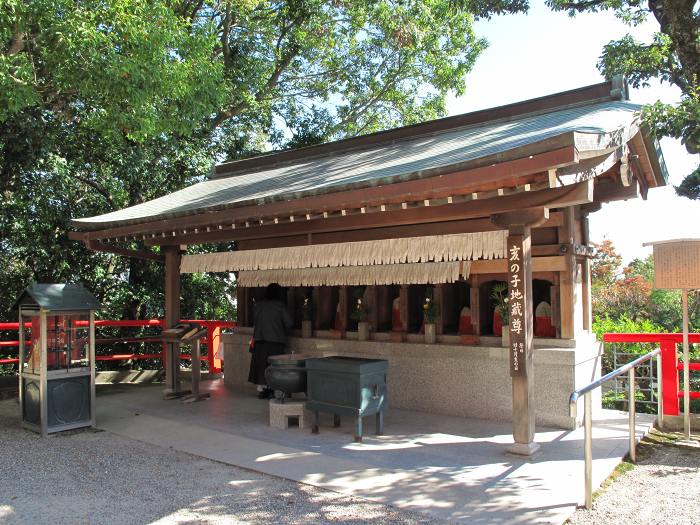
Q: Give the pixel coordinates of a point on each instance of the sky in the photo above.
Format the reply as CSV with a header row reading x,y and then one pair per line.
x,y
543,53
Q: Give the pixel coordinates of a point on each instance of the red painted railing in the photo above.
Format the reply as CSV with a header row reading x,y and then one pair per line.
x,y
670,366
211,340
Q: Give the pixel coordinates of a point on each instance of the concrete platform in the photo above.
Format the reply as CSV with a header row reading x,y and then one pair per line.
x,y
448,467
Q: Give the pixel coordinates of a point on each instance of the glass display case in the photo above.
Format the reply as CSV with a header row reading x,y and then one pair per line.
x,y
57,372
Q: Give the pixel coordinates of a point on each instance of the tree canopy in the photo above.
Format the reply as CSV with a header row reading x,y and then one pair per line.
x,y
672,55
108,104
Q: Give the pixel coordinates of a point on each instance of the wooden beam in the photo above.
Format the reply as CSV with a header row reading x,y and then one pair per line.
x,y
639,175
527,217
608,190
498,266
493,176
593,167
137,254
625,178
646,154
554,198
395,232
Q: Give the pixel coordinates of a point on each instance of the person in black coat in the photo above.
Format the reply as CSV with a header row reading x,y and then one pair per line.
x,y
271,323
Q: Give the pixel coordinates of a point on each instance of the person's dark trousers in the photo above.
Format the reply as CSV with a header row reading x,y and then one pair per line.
x,y
258,362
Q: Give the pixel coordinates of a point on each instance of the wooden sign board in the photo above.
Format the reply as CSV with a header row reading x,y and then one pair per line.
x,y
677,264
517,306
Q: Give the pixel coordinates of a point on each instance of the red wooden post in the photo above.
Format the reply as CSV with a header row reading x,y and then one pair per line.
x,y
213,340
669,378
164,352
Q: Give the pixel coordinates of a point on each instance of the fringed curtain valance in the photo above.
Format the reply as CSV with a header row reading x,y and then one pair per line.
x,y
410,273
438,248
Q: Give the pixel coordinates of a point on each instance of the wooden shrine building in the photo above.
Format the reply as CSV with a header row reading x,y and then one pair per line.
x,y
452,206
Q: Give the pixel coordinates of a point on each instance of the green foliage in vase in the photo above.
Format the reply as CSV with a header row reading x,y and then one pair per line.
x,y
360,311
430,307
499,298
307,309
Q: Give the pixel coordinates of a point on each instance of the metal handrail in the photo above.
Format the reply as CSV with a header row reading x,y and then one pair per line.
x,y
588,413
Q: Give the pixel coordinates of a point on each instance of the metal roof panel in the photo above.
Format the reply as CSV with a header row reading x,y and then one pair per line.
x,y
594,126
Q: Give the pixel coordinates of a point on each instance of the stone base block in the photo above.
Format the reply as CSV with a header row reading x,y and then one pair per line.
x,y
281,412
523,449
677,423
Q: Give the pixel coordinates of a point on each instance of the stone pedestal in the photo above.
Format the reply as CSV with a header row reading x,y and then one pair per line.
x,y
281,412
523,449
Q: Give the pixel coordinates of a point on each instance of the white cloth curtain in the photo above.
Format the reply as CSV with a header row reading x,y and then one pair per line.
x,y
435,249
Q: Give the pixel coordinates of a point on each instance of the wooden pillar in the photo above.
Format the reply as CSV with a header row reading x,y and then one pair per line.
x,y
586,278
554,296
241,306
403,305
521,327
343,307
172,316
521,338
567,278
317,310
439,298
372,300
474,304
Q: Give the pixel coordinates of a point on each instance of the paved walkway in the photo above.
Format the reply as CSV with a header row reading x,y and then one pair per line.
x,y
448,467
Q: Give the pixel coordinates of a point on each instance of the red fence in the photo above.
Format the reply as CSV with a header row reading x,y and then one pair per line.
x,y
670,366
211,340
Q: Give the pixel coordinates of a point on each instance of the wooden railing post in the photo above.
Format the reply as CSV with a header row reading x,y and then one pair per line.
x,y
164,351
213,340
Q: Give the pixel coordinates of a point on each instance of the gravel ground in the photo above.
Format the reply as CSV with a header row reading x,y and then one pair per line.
x,y
93,477
663,488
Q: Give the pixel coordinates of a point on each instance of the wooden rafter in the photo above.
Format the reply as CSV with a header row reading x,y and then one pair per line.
x,y
109,248
554,198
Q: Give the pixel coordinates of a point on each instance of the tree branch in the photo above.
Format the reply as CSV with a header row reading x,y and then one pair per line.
x,y
17,42
225,32
99,188
271,83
